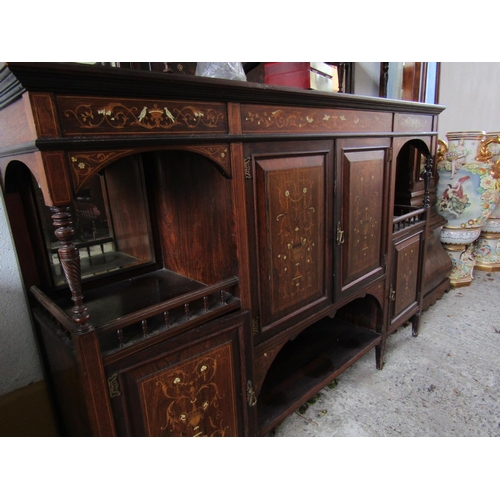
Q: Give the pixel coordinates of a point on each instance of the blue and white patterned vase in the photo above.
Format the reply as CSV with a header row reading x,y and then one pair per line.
x,y
466,195
487,246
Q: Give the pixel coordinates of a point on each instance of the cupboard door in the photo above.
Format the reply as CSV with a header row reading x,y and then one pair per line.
x,y
404,294
193,385
290,189
361,229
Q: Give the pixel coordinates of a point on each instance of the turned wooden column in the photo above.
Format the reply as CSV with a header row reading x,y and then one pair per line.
x,y
429,166
70,261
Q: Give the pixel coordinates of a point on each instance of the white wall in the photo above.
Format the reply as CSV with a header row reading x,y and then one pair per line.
x,y
471,93
19,362
367,78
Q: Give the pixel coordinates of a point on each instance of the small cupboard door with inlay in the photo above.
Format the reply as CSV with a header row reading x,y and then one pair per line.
x,y
292,207
405,279
362,171
192,385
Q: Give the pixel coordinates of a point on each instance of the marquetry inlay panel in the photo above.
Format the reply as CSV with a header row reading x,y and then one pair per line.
x,y
195,398
293,119
364,187
407,256
292,232
85,164
139,116
411,123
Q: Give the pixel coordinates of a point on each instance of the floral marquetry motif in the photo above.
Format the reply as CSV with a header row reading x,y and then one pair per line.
x,y
218,153
85,165
193,399
409,123
407,253
294,234
261,119
362,223
102,115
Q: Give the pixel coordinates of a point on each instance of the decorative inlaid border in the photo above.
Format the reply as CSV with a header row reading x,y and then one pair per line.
x,y
101,115
218,153
412,123
87,163
191,397
291,119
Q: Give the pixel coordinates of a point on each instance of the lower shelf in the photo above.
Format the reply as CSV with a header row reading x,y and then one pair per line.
x,y
306,364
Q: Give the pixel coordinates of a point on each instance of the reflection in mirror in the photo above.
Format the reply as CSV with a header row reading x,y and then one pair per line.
x,y
395,80
410,81
431,84
108,235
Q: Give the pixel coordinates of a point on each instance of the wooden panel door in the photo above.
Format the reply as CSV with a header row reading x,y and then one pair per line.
x,y
191,385
361,228
291,182
405,280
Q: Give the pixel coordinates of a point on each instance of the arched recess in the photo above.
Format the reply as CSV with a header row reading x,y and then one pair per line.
x,y
411,158
410,153
364,312
22,196
134,213
86,164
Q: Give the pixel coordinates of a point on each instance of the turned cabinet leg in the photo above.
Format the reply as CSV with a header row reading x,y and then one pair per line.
x,y
415,324
70,261
379,353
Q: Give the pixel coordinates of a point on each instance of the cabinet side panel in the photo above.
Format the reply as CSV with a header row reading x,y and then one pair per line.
x,y
195,217
63,377
127,205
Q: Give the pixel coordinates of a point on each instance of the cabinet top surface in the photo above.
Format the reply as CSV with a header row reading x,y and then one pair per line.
x,y
85,80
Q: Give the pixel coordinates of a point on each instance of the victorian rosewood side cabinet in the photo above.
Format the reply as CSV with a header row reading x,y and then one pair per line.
x,y
202,256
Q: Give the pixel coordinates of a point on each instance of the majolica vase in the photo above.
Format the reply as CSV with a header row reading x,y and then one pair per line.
x,y
467,194
487,246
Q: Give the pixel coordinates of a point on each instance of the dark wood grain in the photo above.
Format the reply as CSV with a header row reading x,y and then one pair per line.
x,y
195,218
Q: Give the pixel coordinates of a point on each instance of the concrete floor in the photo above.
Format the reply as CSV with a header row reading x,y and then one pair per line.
x,y
445,382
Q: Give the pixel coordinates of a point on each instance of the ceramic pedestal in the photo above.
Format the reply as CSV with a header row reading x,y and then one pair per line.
x,y
467,194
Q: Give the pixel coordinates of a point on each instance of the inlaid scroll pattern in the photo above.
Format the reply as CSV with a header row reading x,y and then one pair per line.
x,y
413,122
295,237
148,116
308,119
84,165
218,153
192,401
366,226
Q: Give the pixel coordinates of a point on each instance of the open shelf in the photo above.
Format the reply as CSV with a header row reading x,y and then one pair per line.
x,y
309,362
135,310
